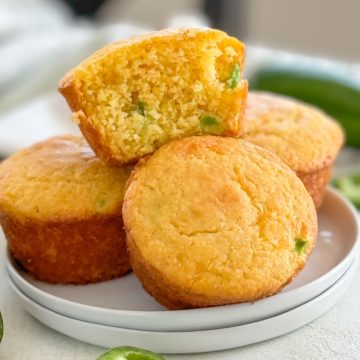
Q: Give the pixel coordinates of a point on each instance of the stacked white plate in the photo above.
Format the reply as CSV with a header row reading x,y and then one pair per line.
x,y
120,312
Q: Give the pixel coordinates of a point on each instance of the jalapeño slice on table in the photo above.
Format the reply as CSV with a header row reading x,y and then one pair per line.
x,y
130,353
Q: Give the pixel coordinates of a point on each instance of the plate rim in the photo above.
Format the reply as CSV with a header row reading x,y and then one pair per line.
x,y
341,286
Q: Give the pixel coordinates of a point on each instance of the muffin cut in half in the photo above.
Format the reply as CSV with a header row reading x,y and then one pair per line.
x,y
304,137
131,97
60,209
213,220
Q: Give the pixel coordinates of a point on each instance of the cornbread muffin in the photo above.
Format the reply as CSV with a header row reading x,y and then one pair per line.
x,y
60,209
131,97
213,220
304,137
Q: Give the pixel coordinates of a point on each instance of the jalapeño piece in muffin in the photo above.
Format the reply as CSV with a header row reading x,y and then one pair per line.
x,y
304,137
131,97
60,209
214,220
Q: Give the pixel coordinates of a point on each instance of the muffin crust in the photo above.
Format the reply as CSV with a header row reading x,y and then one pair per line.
x,y
304,137
206,226
60,209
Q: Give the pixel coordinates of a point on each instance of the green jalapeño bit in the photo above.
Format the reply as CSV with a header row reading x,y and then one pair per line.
x,y
300,245
234,78
102,203
130,353
211,124
208,121
140,108
1,327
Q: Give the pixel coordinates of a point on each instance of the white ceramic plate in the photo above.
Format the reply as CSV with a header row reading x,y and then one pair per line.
x,y
193,341
123,302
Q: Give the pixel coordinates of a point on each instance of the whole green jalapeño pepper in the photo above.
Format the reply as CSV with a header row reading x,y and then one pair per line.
x,y
129,353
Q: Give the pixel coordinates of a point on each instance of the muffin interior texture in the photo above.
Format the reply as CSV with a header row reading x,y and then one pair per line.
x,y
141,94
60,179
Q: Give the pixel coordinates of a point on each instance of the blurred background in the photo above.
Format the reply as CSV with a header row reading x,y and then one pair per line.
x,y
42,39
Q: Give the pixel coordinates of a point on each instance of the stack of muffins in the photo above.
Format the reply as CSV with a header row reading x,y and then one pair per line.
x,y
208,194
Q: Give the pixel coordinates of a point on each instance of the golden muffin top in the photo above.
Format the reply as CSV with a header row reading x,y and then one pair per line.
x,y
304,137
60,179
220,216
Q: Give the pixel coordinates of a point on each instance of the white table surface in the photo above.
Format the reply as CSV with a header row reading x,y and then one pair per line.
x,y
335,335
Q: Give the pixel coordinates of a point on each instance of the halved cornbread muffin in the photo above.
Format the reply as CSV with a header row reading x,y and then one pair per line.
x,y
213,220
304,137
131,97
60,209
